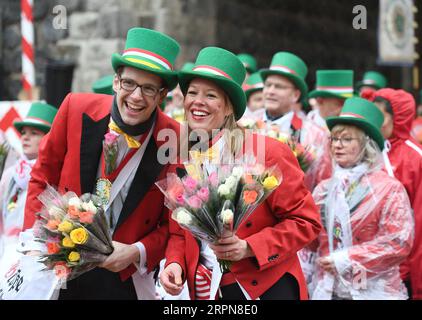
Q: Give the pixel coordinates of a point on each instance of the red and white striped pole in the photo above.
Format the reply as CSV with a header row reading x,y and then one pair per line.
x,y
27,29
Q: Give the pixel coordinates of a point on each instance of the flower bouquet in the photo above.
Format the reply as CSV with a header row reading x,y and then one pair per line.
x,y
212,201
75,232
305,155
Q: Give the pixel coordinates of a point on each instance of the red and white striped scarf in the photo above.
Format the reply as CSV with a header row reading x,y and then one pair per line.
x,y
202,283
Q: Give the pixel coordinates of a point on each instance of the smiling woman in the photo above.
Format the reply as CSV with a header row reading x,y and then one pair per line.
x,y
368,223
214,101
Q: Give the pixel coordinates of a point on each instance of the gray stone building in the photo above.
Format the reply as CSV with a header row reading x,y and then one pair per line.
x,y
86,32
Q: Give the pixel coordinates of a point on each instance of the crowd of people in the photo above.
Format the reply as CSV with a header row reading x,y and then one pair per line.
x,y
344,223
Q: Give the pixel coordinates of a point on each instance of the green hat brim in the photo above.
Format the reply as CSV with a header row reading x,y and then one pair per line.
x,y
233,90
170,77
327,94
249,92
368,128
300,84
360,84
20,124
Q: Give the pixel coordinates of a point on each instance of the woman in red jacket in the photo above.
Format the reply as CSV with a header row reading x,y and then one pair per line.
x,y
368,222
263,252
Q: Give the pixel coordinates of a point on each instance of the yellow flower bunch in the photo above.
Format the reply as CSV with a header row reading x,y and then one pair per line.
x,y
65,226
74,256
79,236
68,243
270,183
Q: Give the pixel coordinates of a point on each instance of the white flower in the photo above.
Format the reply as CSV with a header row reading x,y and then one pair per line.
x,y
183,217
75,201
227,216
89,206
237,172
55,211
247,123
223,190
231,182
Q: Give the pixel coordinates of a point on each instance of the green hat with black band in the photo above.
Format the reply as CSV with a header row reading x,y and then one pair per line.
x,y
333,84
362,114
151,51
372,79
40,116
249,62
288,65
223,68
253,84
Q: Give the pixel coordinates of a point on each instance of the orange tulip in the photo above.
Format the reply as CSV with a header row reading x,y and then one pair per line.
x,y
249,197
53,247
73,212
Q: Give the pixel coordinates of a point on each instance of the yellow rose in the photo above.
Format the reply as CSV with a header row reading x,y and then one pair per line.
x,y
65,226
79,236
74,256
270,183
68,243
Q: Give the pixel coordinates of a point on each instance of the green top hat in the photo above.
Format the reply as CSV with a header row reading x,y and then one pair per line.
x,y
290,66
333,84
249,62
104,85
40,116
223,68
364,115
253,84
372,79
151,51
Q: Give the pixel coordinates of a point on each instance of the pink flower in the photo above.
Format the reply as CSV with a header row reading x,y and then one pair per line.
x,y
86,217
203,194
213,178
175,192
195,202
190,184
180,200
110,138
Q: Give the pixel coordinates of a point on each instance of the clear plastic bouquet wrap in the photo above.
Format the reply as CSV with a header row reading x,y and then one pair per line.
x,y
211,200
75,232
305,155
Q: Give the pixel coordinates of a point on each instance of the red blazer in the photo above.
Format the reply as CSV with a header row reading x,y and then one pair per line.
x,y
68,159
285,223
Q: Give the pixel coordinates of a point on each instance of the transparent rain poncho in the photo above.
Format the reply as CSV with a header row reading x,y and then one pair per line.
x,y
368,231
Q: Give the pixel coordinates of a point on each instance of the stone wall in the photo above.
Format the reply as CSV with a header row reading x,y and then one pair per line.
x,y
96,29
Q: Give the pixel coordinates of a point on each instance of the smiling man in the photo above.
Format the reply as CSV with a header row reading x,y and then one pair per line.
x,y
284,86
71,157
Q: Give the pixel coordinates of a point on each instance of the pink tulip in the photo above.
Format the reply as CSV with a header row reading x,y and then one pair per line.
x,y
203,194
195,202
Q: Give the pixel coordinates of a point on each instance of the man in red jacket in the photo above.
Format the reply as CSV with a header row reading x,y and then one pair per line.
x,y
405,156
71,154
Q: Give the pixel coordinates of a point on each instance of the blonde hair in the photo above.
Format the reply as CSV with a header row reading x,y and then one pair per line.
x,y
370,151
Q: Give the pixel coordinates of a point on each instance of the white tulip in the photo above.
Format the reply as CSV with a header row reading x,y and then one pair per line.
x,y
223,190
89,206
227,216
75,201
183,217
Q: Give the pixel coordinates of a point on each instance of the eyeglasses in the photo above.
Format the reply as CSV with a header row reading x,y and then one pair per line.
x,y
146,89
344,142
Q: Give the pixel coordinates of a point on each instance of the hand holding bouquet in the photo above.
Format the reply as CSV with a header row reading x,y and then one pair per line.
x,y
75,232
